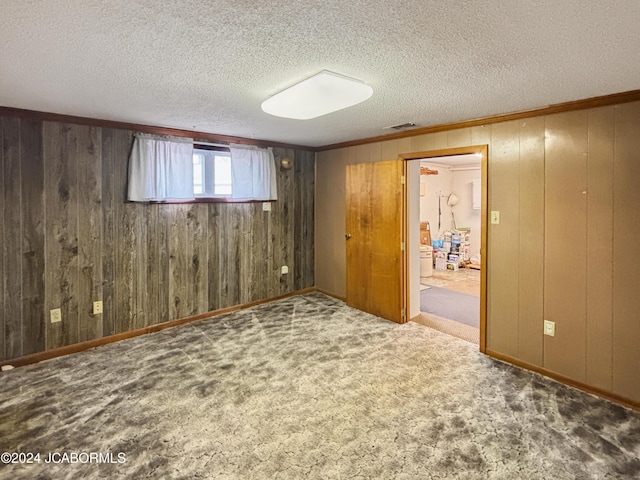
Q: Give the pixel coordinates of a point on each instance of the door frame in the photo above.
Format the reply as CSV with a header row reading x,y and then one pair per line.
x,y
447,152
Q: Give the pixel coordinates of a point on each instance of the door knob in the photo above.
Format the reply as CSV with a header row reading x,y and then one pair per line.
x,y
347,236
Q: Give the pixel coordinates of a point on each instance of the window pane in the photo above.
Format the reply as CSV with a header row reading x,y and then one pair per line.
x,y
198,174
222,175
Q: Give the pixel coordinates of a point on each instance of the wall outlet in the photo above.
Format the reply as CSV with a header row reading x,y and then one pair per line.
x,y
97,307
266,206
550,328
56,315
495,217
284,270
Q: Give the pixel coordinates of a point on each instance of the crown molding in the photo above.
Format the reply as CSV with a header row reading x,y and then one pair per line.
x,y
594,102
154,130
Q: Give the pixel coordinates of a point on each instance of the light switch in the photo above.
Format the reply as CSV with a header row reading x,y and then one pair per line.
x,y
266,206
495,217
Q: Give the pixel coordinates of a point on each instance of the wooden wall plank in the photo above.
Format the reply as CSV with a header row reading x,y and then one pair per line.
x,y
460,137
599,253
179,304
164,218
531,238
272,274
225,234
308,217
125,242
503,239
108,152
12,242
369,152
419,143
388,150
375,152
258,241
329,215
90,234
285,218
231,254
214,253
626,232
197,291
565,243
299,204
151,291
117,301
32,219
303,220
3,206
245,260
61,231
279,217
437,141
481,135
140,268
273,232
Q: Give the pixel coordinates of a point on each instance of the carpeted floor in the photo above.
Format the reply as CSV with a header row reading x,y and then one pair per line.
x,y
307,388
452,305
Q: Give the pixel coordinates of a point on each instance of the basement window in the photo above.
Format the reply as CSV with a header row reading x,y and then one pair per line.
x,y
174,170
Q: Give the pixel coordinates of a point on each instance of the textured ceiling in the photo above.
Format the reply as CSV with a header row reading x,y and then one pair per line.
x,y
207,65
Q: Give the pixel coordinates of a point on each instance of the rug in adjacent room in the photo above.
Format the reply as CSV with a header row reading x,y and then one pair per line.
x,y
451,305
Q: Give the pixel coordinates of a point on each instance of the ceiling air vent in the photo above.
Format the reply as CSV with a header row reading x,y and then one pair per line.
x,y
401,126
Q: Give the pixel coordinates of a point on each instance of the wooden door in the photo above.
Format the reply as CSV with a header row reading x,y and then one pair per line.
x,y
375,280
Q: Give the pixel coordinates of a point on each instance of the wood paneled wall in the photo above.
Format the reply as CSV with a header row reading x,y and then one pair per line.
x,y
567,186
68,237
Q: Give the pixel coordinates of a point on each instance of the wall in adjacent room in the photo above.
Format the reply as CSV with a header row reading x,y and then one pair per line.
x,y
446,182
567,188
465,215
69,237
435,185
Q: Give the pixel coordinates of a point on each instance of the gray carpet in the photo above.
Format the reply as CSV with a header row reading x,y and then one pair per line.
x,y
453,305
307,388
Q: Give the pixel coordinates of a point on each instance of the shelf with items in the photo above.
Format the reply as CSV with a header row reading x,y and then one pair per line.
x,y
452,249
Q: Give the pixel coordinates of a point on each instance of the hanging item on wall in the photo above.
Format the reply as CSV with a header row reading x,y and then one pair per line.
x,y
453,201
427,171
448,195
439,214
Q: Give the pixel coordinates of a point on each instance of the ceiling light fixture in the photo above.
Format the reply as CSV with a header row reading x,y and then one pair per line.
x,y
323,93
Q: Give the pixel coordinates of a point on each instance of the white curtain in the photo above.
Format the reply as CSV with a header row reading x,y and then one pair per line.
x,y
161,169
253,173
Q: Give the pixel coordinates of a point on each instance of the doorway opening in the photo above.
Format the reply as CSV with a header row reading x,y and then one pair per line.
x,y
446,229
